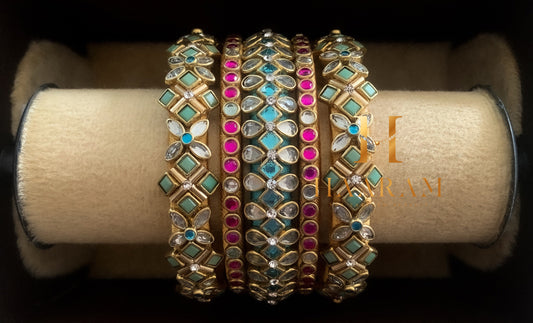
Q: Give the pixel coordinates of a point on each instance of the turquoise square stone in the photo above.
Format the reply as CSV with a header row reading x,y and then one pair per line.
x,y
173,262
374,176
270,168
349,274
341,47
211,99
351,107
166,97
193,37
214,260
209,183
273,272
354,199
172,48
273,252
187,164
269,114
330,257
269,89
192,250
271,198
166,184
328,92
345,73
270,140
188,79
190,52
196,277
267,52
369,89
212,49
351,156
188,204
370,258
334,177
187,113
352,246
273,226
268,68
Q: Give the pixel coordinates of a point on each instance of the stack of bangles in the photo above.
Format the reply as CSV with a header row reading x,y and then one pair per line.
x,y
266,93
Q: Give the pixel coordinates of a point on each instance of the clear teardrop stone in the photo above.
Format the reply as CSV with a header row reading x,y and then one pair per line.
x,y
284,51
330,67
256,238
200,150
367,233
341,233
288,183
289,238
251,81
250,103
250,65
204,237
255,276
205,73
288,275
202,217
307,117
252,154
254,212
359,67
205,60
305,60
250,51
340,142
175,127
178,220
328,55
288,154
288,127
335,280
253,182
342,212
174,60
174,73
289,210
340,121
251,128
289,259
286,81
369,118
177,240
365,211
256,259
199,128
287,103
173,151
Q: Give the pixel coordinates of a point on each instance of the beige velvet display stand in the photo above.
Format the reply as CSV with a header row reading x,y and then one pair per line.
x,y
90,158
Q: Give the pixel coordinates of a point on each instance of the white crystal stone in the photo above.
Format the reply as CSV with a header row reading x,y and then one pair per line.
x,y
284,51
309,257
367,232
271,184
287,103
355,179
250,103
309,192
232,52
339,39
174,60
254,212
231,185
273,295
273,264
330,67
350,263
359,67
256,238
270,77
250,51
289,210
341,233
267,33
272,241
270,126
290,237
271,154
175,127
187,185
340,121
271,100
174,73
342,212
288,127
178,220
271,213
305,60
202,217
288,183
349,88
307,117
205,60
188,94
256,259
177,240
173,151
289,258
253,182
250,64
365,211
204,237
194,267
370,144
329,55
252,154
340,142
205,73
251,81
274,281
199,128
286,81
356,54
251,128
286,64
289,154
269,44
200,150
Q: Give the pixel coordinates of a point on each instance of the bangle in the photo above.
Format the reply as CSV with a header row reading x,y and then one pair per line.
x,y
188,183
353,176
269,108
309,163
231,165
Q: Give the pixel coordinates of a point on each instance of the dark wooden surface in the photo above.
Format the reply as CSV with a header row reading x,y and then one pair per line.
x,y
504,295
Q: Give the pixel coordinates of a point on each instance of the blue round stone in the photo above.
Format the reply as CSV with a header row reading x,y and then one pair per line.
x,y
190,59
189,234
353,129
345,53
356,225
186,138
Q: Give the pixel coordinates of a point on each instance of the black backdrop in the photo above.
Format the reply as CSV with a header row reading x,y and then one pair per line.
x,y
470,296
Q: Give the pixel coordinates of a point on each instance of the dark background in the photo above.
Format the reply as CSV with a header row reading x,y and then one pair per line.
x,y
470,296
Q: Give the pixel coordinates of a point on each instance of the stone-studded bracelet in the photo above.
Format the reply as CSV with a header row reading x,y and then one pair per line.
x,y
232,226
188,182
271,157
352,176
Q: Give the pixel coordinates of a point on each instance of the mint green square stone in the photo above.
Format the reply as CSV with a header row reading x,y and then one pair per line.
x,y
370,258
328,92
345,73
209,183
190,52
172,48
354,200
187,164
196,277
341,47
351,156
166,184
166,97
188,79
214,260
351,107
173,262
193,37
352,246
330,257
191,250
334,178
212,49
349,274
187,113
369,89
374,176
188,204
211,99
320,45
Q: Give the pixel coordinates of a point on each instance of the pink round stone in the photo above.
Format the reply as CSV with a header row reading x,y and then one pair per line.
x,y
230,77
308,270
304,71
232,237
236,283
306,84
232,221
310,227
309,153
232,46
231,204
309,135
231,165
231,146
310,173
235,264
231,92
309,243
236,275
231,127
231,64
309,210
307,99
303,51
308,281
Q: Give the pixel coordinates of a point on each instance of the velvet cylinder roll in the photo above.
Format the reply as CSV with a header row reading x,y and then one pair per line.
x,y
90,160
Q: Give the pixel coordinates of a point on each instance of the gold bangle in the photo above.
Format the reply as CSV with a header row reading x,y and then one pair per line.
x,y
231,163
353,176
188,183
309,163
